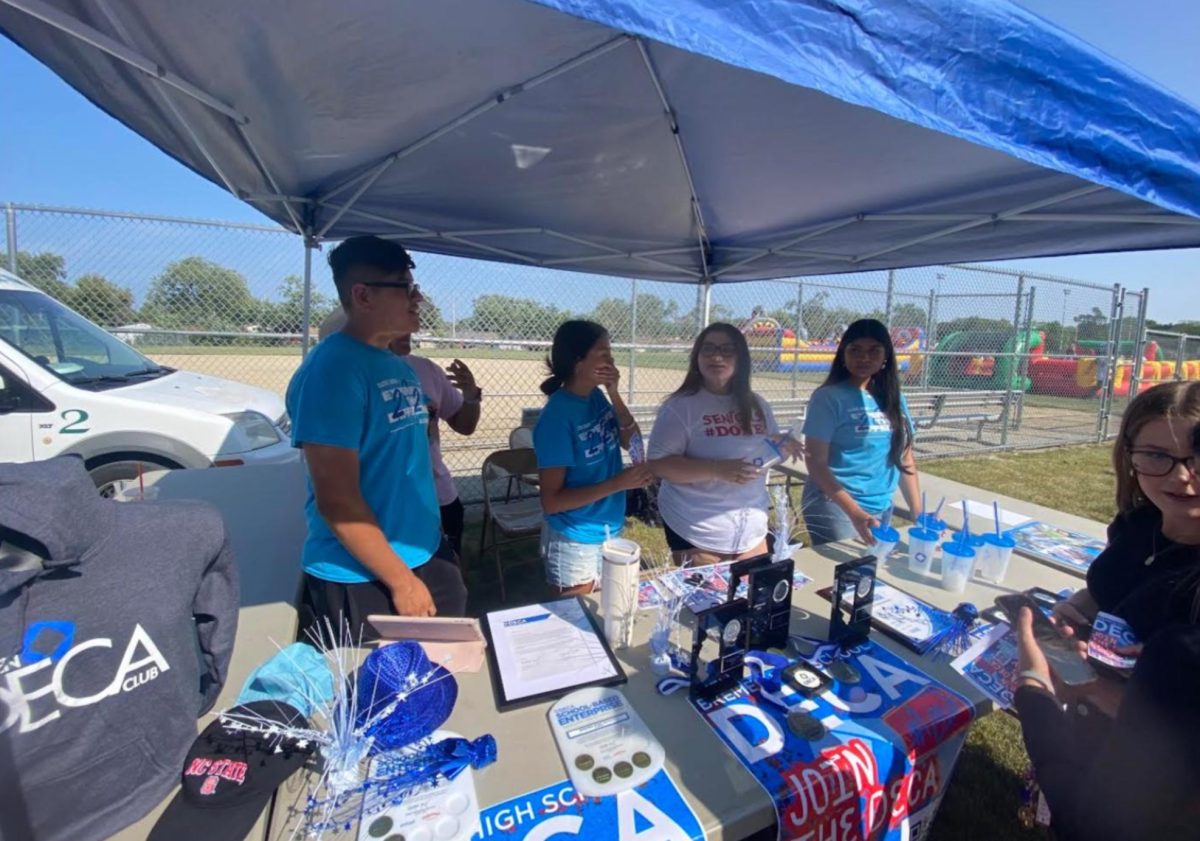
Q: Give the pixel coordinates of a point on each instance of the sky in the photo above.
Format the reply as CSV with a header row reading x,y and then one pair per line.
x,y
56,148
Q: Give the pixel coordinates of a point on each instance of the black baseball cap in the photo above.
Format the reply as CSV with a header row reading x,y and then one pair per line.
x,y
230,774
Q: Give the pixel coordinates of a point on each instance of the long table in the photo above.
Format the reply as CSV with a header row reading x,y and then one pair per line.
x,y
727,800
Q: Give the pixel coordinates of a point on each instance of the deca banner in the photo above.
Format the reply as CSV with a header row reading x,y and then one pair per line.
x,y
654,811
867,759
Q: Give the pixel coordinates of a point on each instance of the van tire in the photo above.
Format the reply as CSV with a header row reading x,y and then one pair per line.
x,y
107,470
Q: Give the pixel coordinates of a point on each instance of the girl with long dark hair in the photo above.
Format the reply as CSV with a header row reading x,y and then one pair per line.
x,y
578,441
858,440
712,500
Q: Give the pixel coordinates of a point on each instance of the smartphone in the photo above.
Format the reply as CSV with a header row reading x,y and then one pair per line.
x,y
994,615
1045,599
1060,651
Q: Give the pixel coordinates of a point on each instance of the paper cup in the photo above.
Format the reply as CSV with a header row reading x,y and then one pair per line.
x,y
994,557
767,455
958,561
886,539
619,589
922,547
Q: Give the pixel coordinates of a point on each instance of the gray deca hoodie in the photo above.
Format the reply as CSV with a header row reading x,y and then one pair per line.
x,y
109,650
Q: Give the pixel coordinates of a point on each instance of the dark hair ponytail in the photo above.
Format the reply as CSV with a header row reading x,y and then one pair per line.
x,y
884,386
572,342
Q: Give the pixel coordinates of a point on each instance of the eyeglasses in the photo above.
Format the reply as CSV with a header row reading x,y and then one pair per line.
x,y
410,288
1156,463
726,351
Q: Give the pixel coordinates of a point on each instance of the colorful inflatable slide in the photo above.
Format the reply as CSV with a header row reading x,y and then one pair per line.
x,y
766,335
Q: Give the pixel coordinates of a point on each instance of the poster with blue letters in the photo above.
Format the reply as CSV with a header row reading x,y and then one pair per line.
x,y
877,771
654,811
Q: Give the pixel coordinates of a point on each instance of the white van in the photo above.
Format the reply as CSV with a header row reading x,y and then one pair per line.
x,y
67,386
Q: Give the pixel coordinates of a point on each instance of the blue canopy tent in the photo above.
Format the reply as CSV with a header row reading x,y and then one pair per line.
x,y
689,140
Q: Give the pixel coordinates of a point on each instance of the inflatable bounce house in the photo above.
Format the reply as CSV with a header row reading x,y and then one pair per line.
x,y
1084,377
984,361
766,336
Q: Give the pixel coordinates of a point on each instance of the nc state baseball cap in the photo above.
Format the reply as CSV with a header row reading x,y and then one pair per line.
x,y
231,772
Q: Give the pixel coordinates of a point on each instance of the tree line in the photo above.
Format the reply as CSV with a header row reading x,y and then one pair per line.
x,y
198,295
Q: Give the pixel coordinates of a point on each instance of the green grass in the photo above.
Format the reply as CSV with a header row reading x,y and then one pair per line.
x,y
982,800
1077,480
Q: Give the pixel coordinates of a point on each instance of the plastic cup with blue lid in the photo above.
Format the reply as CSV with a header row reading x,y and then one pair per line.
x,y
975,541
932,522
994,556
958,562
886,538
922,548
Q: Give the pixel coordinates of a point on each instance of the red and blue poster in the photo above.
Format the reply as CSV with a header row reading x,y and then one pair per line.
x,y
879,767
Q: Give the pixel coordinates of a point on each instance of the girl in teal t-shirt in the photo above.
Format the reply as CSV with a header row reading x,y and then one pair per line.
x,y
858,440
578,441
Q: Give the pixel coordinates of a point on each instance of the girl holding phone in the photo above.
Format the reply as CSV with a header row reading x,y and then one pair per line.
x,y
713,500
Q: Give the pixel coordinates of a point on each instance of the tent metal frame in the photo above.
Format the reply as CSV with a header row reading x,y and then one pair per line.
x,y
302,211
167,84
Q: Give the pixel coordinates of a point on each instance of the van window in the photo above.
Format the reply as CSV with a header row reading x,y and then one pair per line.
x,y
68,345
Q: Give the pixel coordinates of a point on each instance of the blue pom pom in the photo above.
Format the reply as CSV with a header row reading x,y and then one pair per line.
x,y
956,638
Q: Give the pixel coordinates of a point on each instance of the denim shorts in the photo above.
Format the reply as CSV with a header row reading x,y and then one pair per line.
x,y
568,563
825,520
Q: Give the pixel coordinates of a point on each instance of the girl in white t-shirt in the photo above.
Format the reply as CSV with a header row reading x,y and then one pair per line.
x,y
713,502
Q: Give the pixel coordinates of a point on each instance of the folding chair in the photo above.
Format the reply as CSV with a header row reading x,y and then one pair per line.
x,y
509,518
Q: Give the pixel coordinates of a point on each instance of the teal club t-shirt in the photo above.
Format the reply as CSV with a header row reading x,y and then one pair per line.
x,y
349,394
581,434
859,436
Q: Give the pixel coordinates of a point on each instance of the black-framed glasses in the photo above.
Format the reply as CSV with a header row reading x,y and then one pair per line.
x,y
410,288
1157,463
726,351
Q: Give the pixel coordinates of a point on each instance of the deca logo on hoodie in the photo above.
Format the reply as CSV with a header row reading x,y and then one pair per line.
x,y
33,683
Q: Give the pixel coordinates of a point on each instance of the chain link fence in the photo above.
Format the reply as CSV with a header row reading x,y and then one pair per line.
x,y
991,358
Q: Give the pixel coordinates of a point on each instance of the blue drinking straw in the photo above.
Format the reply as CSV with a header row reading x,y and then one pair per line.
x,y
964,537
996,514
938,510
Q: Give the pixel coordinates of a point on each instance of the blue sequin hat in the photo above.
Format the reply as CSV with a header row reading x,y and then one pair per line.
x,y
423,695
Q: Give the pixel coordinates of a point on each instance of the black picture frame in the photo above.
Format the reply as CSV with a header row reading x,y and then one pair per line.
x,y
730,622
504,703
859,575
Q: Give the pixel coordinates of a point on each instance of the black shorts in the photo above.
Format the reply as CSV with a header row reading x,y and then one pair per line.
x,y
351,604
675,541
452,525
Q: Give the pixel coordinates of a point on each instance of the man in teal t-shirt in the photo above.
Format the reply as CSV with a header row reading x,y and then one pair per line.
x,y
374,540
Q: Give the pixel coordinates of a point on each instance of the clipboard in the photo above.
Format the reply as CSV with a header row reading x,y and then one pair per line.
x,y
512,637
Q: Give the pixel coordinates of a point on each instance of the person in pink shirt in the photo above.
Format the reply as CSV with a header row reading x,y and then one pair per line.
x,y
454,398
